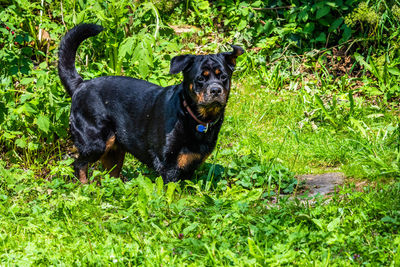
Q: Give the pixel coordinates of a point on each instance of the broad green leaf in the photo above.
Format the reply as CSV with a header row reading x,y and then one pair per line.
x,y
335,4
143,69
318,223
159,185
322,12
33,146
20,143
171,187
303,15
27,108
146,184
242,25
394,71
346,33
333,224
202,5
388,219
190,228
208,200
8,136
361,61
254,250
254,194
126,47
335,24
26,81
142,203
309,27
43,123
360,128
321,37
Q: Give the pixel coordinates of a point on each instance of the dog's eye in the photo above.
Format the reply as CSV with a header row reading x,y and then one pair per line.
x,y
201,79
224,77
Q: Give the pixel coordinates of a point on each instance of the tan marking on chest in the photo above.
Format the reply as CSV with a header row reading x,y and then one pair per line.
x,y
213,111
202,112
186,159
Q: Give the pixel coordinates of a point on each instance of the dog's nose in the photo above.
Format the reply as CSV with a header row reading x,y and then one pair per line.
x,y
216,91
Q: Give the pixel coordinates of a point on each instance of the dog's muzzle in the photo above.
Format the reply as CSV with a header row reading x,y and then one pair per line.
x,y
216,93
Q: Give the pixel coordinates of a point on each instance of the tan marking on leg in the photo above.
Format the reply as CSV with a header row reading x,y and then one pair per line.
x,y
119,163
113,160
110,143
186,159
83,175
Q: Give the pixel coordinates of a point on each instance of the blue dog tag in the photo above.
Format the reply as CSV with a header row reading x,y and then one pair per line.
x,y
201,128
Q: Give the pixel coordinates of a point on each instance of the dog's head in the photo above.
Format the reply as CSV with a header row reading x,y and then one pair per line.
x,y
207,79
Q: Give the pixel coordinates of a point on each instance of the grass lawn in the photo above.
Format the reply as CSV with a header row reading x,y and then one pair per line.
x,y
229,214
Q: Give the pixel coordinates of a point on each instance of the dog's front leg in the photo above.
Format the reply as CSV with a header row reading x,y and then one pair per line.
x,y
81,171
174,174
171,174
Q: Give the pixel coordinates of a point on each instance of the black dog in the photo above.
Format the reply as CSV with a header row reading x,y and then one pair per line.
x,y
172,129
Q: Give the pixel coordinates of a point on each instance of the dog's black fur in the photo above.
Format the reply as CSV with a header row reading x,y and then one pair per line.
x,y
112,115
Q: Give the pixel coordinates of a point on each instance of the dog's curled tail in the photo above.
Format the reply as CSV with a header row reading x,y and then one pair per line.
x,y
67,52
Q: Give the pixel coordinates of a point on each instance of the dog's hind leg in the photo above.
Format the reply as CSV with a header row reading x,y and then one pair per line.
x,y
90,151
91,134
113,157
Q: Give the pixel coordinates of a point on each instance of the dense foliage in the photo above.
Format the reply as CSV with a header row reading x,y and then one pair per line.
x,y
139,223
317,89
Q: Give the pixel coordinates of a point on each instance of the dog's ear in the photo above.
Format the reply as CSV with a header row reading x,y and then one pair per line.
x,y
230,57
180,63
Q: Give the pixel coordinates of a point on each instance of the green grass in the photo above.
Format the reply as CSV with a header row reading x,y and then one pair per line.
x,y
140,222
221,217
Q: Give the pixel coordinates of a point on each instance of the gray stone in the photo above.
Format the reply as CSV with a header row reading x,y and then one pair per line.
x,y
322,183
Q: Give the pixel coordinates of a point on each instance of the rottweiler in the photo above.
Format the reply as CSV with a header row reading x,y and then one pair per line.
x,y
171,129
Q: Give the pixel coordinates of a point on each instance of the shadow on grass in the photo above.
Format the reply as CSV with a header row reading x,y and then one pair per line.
x,y
246,171
207,172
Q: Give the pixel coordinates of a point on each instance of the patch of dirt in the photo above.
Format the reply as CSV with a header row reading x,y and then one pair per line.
x,y
322,184
339,63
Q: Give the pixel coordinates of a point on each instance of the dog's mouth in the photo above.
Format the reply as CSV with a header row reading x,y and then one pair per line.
x,y
211,109
215,103
210,101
